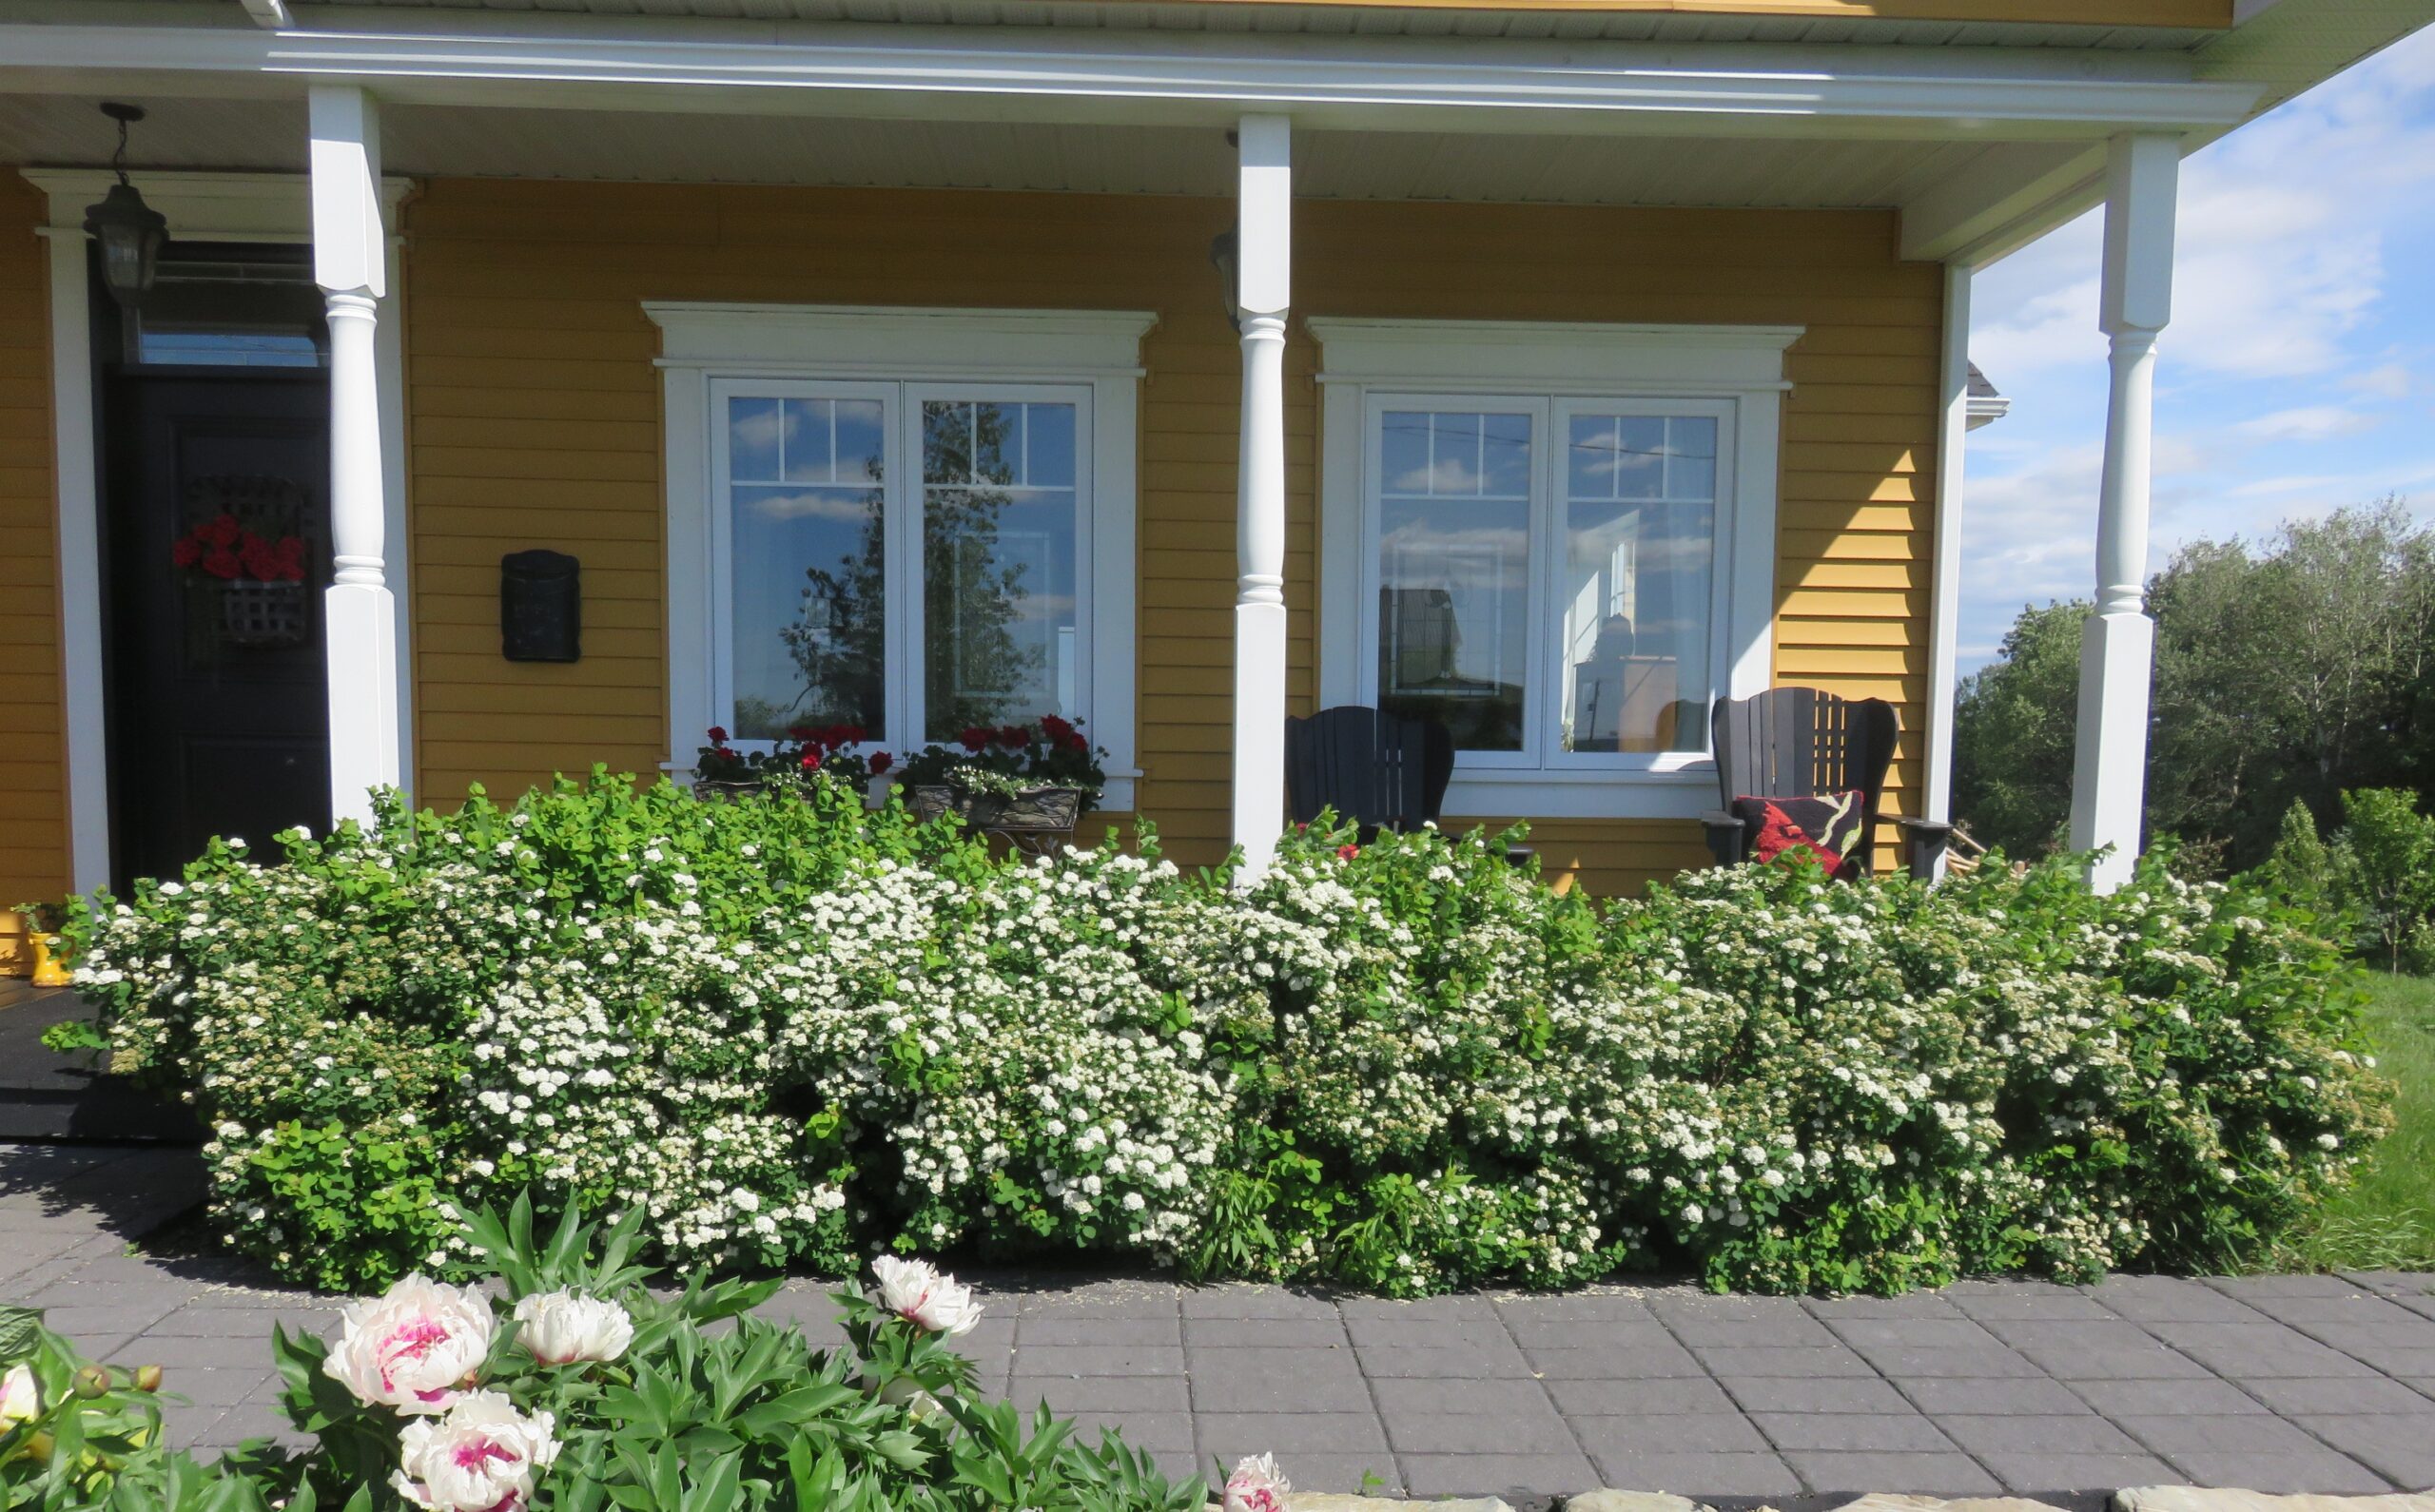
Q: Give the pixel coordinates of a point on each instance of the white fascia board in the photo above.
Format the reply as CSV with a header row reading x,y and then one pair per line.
x,y
1349,81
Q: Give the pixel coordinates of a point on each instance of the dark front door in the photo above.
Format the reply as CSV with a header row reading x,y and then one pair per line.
x,y
220,547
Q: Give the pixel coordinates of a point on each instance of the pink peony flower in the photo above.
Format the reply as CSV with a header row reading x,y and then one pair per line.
x,y
1256,1486
480,1458
414,1348
914,1290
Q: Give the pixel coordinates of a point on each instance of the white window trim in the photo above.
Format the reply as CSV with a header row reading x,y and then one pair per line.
x,y
1097,349
1742,365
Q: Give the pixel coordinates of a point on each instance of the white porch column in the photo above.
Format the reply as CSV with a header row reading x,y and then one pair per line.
x,y
2118,646
350,261
1264,249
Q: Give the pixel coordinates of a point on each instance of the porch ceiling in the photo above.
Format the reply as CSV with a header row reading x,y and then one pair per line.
x,y
1432,18
429,141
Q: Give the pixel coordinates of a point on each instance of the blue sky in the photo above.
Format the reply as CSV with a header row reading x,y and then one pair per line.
x,y
2298,375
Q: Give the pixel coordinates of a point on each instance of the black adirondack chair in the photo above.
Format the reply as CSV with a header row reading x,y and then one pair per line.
x,y
1379,770
1800,743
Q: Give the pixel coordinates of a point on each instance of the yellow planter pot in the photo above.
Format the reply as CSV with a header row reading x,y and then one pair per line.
x,y
49,971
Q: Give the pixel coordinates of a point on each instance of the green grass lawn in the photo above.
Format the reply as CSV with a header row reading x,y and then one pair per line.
x,y
2387,1222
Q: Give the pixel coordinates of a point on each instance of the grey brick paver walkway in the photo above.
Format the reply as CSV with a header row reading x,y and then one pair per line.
x,y
2277,1383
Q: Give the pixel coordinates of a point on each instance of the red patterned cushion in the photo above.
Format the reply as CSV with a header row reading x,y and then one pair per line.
x,y
1827,826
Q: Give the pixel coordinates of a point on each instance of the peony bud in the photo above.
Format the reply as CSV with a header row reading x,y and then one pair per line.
x,y
20,1396
147,1378
92,1381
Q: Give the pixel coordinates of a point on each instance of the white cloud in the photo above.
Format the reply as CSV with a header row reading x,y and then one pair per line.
x,y
2389,380
2308,422
2299,318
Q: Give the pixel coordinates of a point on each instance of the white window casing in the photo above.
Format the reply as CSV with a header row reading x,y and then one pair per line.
x,y
1090,358
1553,370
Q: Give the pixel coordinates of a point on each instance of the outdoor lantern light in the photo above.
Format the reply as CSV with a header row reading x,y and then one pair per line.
x,y
1225,255
130,232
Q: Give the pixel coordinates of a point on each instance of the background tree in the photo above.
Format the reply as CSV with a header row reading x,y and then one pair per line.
x,y
2286,672
2013,731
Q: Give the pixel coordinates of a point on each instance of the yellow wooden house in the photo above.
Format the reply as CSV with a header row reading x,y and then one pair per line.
x,y
521,384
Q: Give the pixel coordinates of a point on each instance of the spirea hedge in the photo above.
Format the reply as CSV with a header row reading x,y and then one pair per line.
x,y
789,1033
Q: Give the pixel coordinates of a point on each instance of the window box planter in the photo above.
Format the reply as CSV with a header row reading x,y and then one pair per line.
x,y
1033,808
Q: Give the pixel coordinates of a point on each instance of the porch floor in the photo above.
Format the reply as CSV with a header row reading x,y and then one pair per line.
x,y
2322,1384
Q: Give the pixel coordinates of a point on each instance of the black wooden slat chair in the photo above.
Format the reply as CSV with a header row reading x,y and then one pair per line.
x,y
1802,743
1377,770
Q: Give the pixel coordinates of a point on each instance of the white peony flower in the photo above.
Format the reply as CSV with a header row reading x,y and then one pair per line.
x,y
560,1328
413,1348
1256,1486
20,1396
480,1458
914,1290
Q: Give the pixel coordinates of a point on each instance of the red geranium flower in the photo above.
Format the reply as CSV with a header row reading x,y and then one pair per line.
x,y
811,762
798,733
1347,852
718,734
222,563
880,761
187,552
1072,739
1057,724
1014,737
973,739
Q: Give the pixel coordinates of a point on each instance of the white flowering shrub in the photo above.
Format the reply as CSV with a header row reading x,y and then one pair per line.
x,y
786,1032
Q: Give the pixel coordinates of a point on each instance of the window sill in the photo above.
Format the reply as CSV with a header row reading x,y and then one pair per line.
x,y
1684,793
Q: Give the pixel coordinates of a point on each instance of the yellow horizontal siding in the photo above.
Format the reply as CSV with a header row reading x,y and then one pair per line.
x,y
534,421
34,787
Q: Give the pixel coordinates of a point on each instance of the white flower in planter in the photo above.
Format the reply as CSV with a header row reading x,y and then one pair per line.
x,y
413,1347
916,1292
1258,1486
480,1458
560,1328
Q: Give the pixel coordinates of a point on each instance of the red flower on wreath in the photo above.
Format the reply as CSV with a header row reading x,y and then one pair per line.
x,y
221,530
223,564
188,552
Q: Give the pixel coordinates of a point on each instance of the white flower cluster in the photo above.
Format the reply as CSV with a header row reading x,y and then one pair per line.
x,y
1407,1065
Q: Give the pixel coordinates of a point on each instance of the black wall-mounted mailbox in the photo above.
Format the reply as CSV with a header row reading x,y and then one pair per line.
x,y
541,607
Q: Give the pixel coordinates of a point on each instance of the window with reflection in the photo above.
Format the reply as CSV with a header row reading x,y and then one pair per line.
x,y
1455,570
998,575
1636,592
913,602
1545,571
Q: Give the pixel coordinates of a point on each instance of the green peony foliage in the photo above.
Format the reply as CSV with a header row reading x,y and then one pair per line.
x,y
784,1030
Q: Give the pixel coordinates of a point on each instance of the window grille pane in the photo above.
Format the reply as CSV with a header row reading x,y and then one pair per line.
x,y
1639,582
807,541
997,570
1455,570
